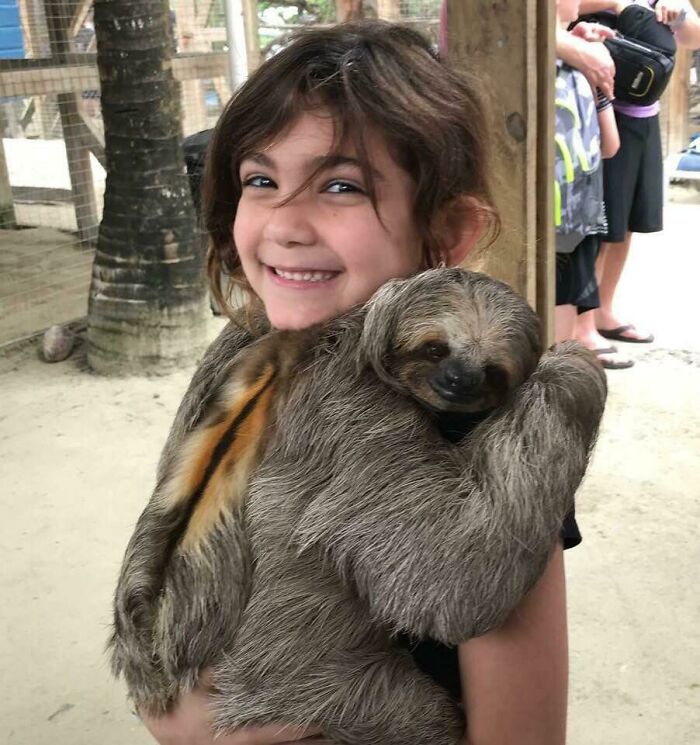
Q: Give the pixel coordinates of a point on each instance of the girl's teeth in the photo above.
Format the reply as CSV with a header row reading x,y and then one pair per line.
x,y
305,276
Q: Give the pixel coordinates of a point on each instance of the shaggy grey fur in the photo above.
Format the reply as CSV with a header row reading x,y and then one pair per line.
x,y
361,521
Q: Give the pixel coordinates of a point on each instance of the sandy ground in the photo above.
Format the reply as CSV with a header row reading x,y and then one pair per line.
x,y
77,462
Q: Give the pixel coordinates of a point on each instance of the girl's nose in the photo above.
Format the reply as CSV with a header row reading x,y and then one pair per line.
x,y
291,224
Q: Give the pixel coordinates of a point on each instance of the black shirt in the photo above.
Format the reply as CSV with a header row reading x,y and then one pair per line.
x,y
437,660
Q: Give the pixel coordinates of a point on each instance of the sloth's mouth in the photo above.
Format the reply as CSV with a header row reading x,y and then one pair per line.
x,y
456,395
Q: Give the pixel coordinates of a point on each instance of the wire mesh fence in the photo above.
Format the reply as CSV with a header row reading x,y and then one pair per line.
x,y
276,22
52,162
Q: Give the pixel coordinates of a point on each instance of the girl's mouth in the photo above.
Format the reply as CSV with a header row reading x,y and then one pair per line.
x,y
301,277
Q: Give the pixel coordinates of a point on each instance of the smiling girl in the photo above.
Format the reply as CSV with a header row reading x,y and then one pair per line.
x,y
352,157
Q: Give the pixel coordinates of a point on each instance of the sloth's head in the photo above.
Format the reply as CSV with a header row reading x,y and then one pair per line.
x,y
454,340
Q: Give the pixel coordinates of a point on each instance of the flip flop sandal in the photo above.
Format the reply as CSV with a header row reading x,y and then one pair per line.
x,y
618,334
622,364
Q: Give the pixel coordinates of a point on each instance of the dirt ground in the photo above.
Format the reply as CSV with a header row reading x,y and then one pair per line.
x,y
77,462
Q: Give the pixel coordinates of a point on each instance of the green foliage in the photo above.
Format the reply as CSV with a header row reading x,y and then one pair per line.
x,y
323,11
420,8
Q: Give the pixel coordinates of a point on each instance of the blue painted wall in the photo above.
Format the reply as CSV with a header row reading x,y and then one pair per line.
x,y
11,42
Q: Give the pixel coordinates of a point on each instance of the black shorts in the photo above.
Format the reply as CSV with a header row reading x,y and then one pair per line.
x,y
633,179
575,276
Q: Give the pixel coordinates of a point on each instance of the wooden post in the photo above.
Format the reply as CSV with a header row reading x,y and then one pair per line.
x,y
678,124
348,10
237,42
59,14
188,24
389,10
252,40
545,280
7,209
509,47
33,19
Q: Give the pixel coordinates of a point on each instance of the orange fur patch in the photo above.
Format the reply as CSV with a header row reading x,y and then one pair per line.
x,y
228,483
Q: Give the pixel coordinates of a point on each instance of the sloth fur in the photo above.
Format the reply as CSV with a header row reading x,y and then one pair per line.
x,y
307,509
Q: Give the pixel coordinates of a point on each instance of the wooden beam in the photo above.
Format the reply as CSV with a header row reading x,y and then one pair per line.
x,y
80,11
209,65
252,36
33,19
545,250
498,42
389,10
202,13
348,10
7,209
39,77
58,15
91,137
677,94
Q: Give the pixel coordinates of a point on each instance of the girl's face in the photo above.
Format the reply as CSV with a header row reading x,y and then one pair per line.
x,y
326,250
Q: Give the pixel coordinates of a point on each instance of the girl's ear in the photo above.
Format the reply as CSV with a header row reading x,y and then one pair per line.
x,y
461,224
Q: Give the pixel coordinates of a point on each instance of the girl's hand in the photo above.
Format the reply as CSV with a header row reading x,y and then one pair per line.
x,y
190,724
592,31
597,65
670,11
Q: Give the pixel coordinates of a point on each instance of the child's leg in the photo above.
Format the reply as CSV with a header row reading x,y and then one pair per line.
x,y
564,322
592,262
633,185
613,257
576,285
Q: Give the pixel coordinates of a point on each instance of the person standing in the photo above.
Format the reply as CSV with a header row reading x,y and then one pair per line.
x,y
633,179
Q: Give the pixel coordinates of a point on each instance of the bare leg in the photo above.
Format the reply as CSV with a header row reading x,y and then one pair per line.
x,y
613,258
564,322
585,330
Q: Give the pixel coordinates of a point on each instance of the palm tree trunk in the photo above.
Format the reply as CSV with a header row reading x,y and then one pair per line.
x,y
147,305
349,10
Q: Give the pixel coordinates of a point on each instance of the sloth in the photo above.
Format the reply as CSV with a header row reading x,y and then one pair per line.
x,y
307,509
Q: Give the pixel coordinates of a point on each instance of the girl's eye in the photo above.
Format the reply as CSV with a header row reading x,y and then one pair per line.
x,y
343,187
259,182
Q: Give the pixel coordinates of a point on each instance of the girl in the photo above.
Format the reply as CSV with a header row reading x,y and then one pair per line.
x,y
352,157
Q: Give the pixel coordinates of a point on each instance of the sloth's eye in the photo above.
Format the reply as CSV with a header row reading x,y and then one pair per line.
x,y
435,350
497,377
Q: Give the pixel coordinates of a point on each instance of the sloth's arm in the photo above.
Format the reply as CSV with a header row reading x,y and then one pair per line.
x,y
137,595
442,541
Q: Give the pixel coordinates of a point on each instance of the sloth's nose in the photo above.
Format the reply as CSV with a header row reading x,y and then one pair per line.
x,y
462,378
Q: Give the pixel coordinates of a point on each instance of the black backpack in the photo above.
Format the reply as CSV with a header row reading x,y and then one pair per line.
x,y
643,52
642,71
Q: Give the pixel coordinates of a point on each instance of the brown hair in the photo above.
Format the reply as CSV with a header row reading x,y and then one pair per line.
x,y
364,73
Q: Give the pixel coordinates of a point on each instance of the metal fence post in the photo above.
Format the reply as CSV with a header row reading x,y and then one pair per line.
x,y
237,52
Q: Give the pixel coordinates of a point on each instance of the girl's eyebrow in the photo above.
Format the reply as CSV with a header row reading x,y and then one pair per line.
x,y
318,163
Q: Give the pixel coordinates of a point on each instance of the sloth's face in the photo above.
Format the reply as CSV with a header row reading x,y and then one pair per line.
x,y
445,378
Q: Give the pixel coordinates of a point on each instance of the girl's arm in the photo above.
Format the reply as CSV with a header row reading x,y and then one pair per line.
x,y
515,678
683,19
595,6
590,57
609,136
507,675
190,724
